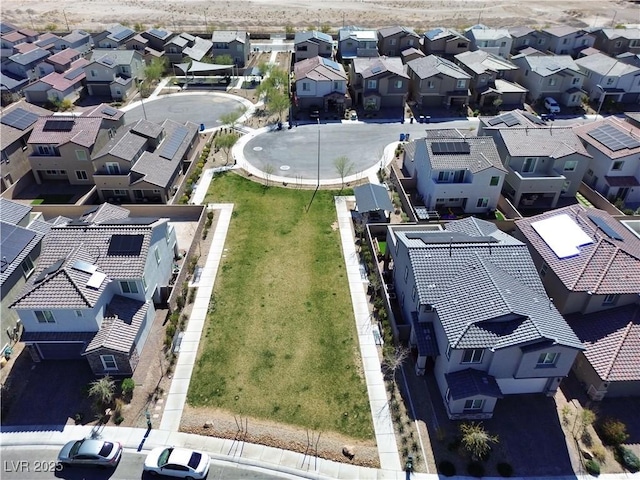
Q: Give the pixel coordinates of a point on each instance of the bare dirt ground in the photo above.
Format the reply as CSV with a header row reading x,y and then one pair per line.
x,y
274,15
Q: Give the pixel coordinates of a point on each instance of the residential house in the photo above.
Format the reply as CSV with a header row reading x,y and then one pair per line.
x,y
115,36
56,87
157,38
320,83
354,42
493,78
454,171
9,41
491,126
566,40
479,316
590,264
48,41
615,41
543,164
609,79
437,82
25,65
614,171
144,162
137,42
493,40
198,49
392,41
22,233
113,73
234,43
444,42
411,54
61,61
60,147
16,124
525,37
174,48
11,87
379,82
94,291
78,40
312,44
556,76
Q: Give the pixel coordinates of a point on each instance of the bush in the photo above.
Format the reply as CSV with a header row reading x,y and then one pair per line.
x,y
118,419
613,432
475,469
127,386
504,469
599,453
592,467
628,459
447,468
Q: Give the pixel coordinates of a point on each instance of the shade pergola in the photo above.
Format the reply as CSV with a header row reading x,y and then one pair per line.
x,y
201,67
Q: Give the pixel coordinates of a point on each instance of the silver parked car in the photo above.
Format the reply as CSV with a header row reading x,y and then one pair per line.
x,y
90,451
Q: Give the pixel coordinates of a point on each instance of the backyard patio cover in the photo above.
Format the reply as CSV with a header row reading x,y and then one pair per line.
x,y
372,197
201,67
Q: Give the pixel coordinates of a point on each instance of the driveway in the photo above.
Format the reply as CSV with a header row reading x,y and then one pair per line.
x,y
198,108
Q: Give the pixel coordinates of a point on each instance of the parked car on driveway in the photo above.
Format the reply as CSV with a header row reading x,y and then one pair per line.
x,y
177,462
314,112
551,105
91,452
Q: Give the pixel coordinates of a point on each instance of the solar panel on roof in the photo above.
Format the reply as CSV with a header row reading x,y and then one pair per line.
x,y
443,148
605,227
125,245
53,268
74,74
85,267
613,138
173,143
14,240
121,34
109,111
107,60
58,125
510,120
330,63
376,69
96,280
19,118
158,33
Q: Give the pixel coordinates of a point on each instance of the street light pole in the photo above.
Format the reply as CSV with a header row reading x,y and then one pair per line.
x,y
318,182
602,97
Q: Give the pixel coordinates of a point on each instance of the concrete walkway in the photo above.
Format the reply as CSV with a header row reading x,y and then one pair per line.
x,y
382,423
177,396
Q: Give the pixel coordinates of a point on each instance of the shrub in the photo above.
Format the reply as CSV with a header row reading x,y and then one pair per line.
x,y
613,432
127,386
599,453
447,468
118,419
475,469
592,467
180,302
504,469
476,440
628,459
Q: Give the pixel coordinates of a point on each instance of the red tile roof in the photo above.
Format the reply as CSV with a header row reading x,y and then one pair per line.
x,y
13,37
25,47
64,56
583,132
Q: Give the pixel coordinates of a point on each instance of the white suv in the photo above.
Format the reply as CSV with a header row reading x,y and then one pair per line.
x,y
551,105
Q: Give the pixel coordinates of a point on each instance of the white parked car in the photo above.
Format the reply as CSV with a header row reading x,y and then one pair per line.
x,y
177,462
551,105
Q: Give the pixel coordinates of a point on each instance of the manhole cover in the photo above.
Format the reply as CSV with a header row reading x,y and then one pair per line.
x,y
257,149
285,167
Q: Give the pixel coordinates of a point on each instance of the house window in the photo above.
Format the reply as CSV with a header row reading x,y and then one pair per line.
x,y
564,41
119,192
78,313
618,43
406,273
109,362
540,41
503,44
93,73
610,299
609,81
372,84
547,360
413,293
482,202
472,355
410,42
575,81
81,175
448,352
44,150
156,253
462,45
461,84
544,269
553,81
529,164
27,267
494,181
113,168
81,155
398,83
430,84
301,48
44,316
443,177
392,41
144,283
474,404
565,186
128,286
617,165
336,85
306,87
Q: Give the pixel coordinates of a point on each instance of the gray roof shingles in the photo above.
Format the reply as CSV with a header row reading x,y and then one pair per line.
x,y
542,142
471,383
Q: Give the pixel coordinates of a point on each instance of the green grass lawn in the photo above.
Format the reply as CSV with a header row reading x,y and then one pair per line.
x,y
281,341
45,198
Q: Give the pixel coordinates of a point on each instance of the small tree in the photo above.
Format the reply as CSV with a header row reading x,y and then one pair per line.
x,y
393,361
325,28
102,390
154,71
225,142
277,102
268,171
138,27
230,119
344,167
476,440
289,28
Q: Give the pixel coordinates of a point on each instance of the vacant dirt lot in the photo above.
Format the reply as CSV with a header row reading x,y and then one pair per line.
x,y
274,15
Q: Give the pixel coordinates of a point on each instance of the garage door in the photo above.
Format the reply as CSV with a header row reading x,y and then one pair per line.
x,y
61,351
521,385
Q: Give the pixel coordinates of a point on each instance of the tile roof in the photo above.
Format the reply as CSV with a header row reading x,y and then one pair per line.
x,y
442,32
432,65
390,31
119,57
120,326
482,32
357,34
556,142
13,212
606,266
84,132
21,244
98,111
228,36
628,33
521,31
319,69
24,47
471,383
10,134
612,341
60,82
481,61
47,39
125,145
561,30
545,65
29,58
199,49
628,128
13,36
76,36
484,286
372,66
605,65
312,36
64,56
